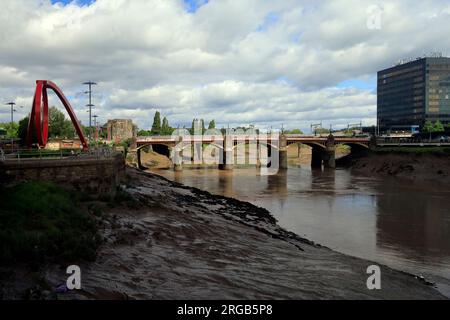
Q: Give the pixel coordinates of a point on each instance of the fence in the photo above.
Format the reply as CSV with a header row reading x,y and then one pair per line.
x,y
102,152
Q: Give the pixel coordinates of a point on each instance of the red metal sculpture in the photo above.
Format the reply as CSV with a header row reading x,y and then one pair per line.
x,y
39,115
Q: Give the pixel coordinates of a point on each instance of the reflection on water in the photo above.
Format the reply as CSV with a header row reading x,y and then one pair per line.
x,y
402,225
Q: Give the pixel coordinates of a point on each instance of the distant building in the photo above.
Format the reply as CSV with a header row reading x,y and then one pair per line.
x,y
411,93
120,130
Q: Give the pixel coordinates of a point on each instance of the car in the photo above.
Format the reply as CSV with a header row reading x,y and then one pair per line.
x,y
444,139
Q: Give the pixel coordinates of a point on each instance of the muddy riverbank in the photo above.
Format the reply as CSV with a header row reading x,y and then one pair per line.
x,y
169,241
410,166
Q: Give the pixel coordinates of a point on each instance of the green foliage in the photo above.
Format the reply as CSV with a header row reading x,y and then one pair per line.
x,y
294,131
428,127
212,124
144,133
438,127
103,133
41,222
23,129
322,131
58,125
156,127
11,129
166,129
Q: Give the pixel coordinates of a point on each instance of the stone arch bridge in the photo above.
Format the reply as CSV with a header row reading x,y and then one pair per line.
x,y
323,147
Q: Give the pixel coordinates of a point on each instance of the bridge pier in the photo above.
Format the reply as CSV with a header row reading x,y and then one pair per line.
x,y
283,156
227,156
177,157
316,157
329,159
329,155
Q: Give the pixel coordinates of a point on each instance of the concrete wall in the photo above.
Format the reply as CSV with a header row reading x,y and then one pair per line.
x,y
97,177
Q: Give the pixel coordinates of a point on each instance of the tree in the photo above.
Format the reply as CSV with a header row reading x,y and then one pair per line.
x,y
438,127
428,127
156,127
23,129
195,126
11,129
212,124
322,131
166,129
295,131
144,133
58,125
203,126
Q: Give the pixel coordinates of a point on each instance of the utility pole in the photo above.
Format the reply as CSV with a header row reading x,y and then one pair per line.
x,y
90,105
355,125
12,104
315,126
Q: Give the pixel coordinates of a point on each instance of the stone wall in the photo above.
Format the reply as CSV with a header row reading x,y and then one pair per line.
x,y
120,130
96,177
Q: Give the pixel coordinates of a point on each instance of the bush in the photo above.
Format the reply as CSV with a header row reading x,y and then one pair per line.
x,y
41,222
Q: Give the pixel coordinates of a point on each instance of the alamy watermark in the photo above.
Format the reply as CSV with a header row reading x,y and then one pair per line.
x,y
234,146
74,280
374,280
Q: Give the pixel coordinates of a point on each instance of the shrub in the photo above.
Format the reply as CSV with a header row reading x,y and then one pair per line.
x,y
41,222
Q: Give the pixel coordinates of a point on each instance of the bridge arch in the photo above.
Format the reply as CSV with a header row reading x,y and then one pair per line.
x,y
357,149
161,148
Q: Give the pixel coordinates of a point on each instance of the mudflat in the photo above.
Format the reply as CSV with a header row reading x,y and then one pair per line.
x,y
184,243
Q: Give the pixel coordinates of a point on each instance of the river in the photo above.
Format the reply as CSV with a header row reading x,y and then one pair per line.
x,y
400,224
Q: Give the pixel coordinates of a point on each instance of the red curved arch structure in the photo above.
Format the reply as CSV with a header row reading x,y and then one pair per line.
x,y
39,114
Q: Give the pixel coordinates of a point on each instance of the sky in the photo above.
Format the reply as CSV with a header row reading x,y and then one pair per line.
x,y
267,63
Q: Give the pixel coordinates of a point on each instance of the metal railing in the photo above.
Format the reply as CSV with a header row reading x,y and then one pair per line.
x,y
19,155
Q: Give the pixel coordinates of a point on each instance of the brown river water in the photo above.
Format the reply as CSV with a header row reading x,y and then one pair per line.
x,y
400,224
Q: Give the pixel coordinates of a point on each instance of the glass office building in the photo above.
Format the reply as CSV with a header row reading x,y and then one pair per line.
x,y
411,93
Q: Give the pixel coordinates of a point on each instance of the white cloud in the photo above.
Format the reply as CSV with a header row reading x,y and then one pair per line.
x,y
256,61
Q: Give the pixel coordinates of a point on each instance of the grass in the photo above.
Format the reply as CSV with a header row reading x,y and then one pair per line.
x,y
41,222
440,151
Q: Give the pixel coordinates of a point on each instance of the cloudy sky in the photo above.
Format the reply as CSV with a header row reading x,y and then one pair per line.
x,y
261,62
